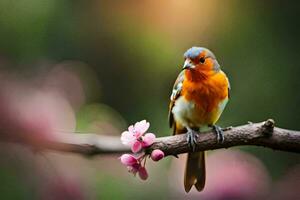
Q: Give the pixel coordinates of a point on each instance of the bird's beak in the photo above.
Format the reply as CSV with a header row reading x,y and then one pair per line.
x,y
188,64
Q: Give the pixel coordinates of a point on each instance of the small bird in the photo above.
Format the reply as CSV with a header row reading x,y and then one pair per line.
x,y
200,94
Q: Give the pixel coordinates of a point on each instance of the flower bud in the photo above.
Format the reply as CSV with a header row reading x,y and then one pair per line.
x,y
143,174
157,155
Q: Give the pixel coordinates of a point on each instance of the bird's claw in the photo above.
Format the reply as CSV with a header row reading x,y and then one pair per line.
x,y
220,134
192,136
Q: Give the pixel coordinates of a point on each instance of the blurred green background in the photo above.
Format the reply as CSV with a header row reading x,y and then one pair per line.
x,y
128,54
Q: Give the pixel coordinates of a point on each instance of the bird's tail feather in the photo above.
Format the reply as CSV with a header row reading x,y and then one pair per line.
x,y
195,171
195,165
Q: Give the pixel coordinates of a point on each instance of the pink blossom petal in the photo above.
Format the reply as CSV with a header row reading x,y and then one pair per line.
x,y
148,139
157,155
134,168
127,138
136,147
143,174
141,127
137,135
128,160
131,129
139,155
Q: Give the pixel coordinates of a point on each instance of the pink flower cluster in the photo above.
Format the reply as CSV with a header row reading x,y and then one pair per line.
x,y
134,165
137,139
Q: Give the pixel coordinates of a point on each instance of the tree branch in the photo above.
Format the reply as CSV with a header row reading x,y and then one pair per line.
x,y
257,134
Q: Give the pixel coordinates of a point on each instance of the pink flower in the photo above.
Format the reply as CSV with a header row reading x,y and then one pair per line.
x,y
143,174
134,165
136,138
157,155
128,160
134,168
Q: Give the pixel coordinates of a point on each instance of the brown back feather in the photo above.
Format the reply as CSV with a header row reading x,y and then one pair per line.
x,y
176,92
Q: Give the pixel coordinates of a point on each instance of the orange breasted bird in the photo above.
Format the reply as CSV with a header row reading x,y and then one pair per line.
x,y
199,96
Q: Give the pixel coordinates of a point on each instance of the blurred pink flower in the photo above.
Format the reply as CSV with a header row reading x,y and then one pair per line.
x,y
135,137
157,155
230,174
32,115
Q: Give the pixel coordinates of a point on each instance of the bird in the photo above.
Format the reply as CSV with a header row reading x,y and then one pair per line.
x,y
199,96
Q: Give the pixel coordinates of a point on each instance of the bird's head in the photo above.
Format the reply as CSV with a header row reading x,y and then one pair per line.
x,y
200,62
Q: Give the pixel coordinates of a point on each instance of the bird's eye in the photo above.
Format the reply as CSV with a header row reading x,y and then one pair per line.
x,y
202,60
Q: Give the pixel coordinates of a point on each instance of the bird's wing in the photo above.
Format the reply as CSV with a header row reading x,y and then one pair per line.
x,y
228,84
175,94
229,87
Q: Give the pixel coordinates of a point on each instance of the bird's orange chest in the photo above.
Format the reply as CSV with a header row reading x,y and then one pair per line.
x,y
206,93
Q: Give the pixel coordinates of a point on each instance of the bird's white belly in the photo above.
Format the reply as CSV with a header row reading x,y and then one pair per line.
x,y
188,115
184,112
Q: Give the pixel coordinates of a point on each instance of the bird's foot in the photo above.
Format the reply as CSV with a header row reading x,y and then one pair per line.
x,y
192,136
219,132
